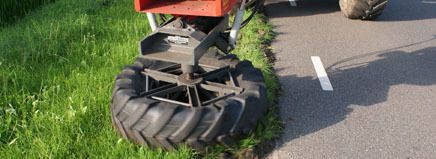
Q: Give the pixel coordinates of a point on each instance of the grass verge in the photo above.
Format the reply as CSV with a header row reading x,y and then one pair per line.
x,y
253,45
57,68
11,10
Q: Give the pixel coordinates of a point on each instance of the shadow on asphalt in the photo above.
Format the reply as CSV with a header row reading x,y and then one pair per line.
x,y
356,83
282,8
409,10
396,10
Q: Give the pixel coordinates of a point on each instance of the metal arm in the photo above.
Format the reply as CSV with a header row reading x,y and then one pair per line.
x,y
237,25
152,21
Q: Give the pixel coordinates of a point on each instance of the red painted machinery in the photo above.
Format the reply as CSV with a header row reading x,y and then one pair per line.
x,y
214,8
186,87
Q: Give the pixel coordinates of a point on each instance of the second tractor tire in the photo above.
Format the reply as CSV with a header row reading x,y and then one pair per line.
x,y
159,124
362,9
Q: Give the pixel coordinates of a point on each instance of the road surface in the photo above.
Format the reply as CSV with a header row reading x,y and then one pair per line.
x,y
383,75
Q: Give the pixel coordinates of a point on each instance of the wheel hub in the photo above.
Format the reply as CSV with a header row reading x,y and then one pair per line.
x,y
189,80
200,89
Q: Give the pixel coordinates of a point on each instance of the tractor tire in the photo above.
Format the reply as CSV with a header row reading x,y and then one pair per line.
x,y
165,125
362,9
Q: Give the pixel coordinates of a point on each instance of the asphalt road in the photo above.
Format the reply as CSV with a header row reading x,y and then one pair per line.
x,y
383,74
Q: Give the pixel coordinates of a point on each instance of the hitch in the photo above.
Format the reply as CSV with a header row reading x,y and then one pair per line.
x,y
180,42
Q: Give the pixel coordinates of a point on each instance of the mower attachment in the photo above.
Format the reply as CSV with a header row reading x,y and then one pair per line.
x,y
185,87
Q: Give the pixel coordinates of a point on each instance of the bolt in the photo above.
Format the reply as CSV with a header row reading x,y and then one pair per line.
x,y
189,76
178,24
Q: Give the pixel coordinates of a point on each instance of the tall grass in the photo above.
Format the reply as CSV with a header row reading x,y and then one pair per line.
x,y
57,68
11,10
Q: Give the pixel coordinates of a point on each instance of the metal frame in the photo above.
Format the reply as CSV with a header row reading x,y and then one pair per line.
x,y
179,84
179,42
152,21
237,24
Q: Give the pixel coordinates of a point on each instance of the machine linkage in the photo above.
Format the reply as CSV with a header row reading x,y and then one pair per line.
x,y
204,84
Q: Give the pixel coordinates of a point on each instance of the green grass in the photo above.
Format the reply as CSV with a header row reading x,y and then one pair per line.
x,y
11,10
57,68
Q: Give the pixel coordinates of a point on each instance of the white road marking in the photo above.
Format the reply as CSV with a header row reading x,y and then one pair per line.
x,y
293,3
321,73
428,2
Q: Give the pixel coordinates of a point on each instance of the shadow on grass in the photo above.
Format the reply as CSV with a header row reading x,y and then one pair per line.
x,y
11,10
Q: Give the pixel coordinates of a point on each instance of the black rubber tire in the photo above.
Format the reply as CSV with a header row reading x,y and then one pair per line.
x,y
362,9
160,124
